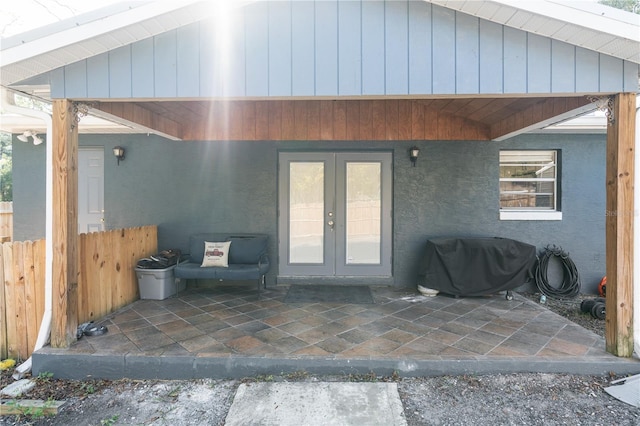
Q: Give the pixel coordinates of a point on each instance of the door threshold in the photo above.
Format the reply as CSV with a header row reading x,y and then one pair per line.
x,y
335,280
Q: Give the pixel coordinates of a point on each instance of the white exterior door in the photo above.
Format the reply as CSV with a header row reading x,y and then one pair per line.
x,y
90,190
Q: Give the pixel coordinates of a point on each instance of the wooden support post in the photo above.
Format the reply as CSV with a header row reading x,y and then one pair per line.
x,y
65,224
619,225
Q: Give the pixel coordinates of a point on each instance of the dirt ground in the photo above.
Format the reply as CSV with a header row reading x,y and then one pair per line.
x,y
510,399
518,399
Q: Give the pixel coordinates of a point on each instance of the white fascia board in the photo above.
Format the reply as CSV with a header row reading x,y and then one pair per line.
x,y
135,127
90,30
549,122
597,20
574,13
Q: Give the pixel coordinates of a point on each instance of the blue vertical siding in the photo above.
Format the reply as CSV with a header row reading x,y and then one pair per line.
x,y
209,66
188,61
630,71
467,54
349,48
343,48
98,76
233,62
165,66
279,49
491,57
373,48
563,73
326,44
587,70
396,48
58,89
75,78
515,61
303,40
257,48
610,66
443,48
420,55
142,72
120,72
538,64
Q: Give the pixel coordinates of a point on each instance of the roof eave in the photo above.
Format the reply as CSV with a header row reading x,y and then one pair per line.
x,y
96,37
591,26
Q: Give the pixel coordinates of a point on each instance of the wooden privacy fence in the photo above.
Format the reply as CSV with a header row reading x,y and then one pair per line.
x,y
22,270
106,282
6,221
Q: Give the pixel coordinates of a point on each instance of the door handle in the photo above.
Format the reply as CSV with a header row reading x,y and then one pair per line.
x,y
331,223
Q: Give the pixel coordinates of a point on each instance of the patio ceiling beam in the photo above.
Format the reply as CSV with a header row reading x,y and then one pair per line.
x,y
544,113
619,219
143,117
65,224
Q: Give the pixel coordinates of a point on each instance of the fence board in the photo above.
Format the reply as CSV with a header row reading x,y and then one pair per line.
x,y
6,221
39,271
19,296
106,282
3,309
9,295
84,309
119,286
30,297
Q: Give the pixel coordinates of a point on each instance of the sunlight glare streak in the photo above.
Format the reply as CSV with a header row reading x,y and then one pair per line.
x,y
225,13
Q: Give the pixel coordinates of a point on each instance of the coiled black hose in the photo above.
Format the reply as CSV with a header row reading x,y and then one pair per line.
x,y
570,286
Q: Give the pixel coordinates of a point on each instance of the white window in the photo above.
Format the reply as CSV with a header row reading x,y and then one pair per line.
x,y
529,185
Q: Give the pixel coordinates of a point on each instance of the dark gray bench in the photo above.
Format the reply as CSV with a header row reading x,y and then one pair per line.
x,y
248,258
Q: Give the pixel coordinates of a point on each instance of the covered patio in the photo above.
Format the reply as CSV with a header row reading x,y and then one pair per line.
x,y
228,331
402,88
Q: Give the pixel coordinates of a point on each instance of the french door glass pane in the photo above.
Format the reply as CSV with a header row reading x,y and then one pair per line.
x,y
306,212
363,206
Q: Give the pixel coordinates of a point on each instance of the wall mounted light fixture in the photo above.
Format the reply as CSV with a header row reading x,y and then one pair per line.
x,y
24,137
118,151
414,151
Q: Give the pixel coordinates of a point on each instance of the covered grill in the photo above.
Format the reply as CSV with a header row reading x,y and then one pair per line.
x,y
476,266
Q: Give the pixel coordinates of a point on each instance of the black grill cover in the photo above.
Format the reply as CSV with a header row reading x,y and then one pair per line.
x,y
476,266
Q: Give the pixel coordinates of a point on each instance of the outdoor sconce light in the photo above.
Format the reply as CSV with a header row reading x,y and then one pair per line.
x,y
414,151
118,151
24,137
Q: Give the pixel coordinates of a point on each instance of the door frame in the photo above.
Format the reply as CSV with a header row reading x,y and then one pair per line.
x,y
342,271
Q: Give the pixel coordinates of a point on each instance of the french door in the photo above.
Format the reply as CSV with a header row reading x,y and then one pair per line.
x,y
335,214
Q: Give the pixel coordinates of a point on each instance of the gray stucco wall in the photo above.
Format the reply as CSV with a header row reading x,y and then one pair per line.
x,y
28,174
187,187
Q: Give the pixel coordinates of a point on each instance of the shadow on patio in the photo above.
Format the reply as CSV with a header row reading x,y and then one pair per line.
x,y
227,331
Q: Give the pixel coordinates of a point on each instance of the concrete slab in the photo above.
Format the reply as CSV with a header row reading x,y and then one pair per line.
x,y
311,404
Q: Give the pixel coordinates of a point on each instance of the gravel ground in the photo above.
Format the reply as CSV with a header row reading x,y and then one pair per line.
x,y
509,399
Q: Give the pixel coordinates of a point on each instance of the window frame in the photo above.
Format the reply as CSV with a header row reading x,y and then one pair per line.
x,y
532,213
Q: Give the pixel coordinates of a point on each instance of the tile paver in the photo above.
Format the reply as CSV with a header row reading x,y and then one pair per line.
x,y
227,321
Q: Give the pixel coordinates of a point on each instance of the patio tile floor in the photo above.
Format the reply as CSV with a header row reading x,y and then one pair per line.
x,y
485,334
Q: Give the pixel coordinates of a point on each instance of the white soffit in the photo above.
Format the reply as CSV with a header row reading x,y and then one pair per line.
x,y
582,23
15,123
44,49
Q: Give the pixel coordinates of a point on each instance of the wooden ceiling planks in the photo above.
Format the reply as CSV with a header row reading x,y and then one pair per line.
x,y
353,119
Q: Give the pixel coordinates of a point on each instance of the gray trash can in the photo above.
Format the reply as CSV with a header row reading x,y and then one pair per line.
x,y
157,284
